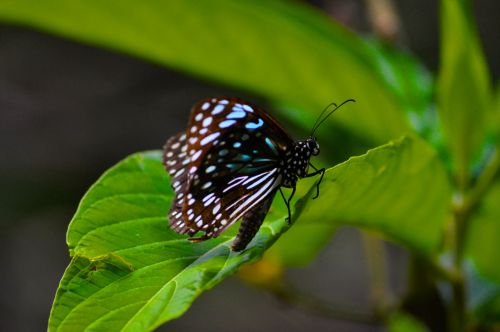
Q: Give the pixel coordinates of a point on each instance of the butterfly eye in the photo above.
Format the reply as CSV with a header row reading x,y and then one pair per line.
x,y
315,151
314,146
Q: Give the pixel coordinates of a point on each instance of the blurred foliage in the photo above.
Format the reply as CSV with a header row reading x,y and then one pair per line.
x,y
463,93
304,60
482,243
434,191
401,322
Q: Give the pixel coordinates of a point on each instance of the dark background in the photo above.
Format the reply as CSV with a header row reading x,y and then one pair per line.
x,y
68,112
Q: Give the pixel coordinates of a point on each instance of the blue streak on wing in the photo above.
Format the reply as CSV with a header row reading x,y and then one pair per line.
x,y
271,145
253,125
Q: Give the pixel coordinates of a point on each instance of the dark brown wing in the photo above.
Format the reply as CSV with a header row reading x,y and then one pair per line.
x,y
176,161
234,150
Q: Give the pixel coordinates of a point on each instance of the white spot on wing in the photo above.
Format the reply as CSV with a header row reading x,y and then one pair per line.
x,y
227,123
206,185
207,121
179,172
209,138
196,155
248,108
217,109
216,209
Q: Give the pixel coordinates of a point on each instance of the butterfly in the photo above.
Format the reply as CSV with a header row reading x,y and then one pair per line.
x,y
229,164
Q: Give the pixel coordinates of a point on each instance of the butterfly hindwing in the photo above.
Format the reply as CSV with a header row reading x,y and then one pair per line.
x,y
175,159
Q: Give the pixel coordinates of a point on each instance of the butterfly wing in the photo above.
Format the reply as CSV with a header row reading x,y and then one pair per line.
x,y
234,152
251,222
176,160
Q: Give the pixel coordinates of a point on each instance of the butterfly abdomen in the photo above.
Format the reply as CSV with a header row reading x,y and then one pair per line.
x,y
251,223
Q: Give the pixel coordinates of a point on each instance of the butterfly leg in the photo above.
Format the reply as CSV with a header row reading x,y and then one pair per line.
x,y
316,172
287,202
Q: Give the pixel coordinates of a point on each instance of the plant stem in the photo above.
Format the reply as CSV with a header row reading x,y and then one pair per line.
x,y
377,266
462,210
457,310
483,182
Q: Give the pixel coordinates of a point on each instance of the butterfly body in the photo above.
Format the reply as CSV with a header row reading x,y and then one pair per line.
x,y
228,165
295,164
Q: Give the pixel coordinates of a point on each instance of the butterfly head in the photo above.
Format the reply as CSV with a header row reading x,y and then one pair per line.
x,y
312,145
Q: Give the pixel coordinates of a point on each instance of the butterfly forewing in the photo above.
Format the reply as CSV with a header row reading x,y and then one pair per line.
x,y
233,151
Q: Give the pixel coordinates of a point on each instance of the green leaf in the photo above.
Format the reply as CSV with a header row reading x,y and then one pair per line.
x,y
129,271
483,299
484,235
387,190
403,322
482,249
464,92
496,118
285,51
312,235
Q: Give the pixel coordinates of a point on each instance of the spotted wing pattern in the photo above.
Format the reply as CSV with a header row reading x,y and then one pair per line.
x,y
176,160
230,164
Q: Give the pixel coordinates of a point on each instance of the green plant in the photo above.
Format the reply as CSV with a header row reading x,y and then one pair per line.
x,y
433,188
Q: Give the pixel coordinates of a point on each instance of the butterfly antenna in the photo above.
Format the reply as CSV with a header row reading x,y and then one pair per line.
x,y
321,115
317,124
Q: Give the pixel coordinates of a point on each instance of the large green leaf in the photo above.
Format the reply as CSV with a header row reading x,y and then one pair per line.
x,y
464,92
400,190
281,50
129,271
